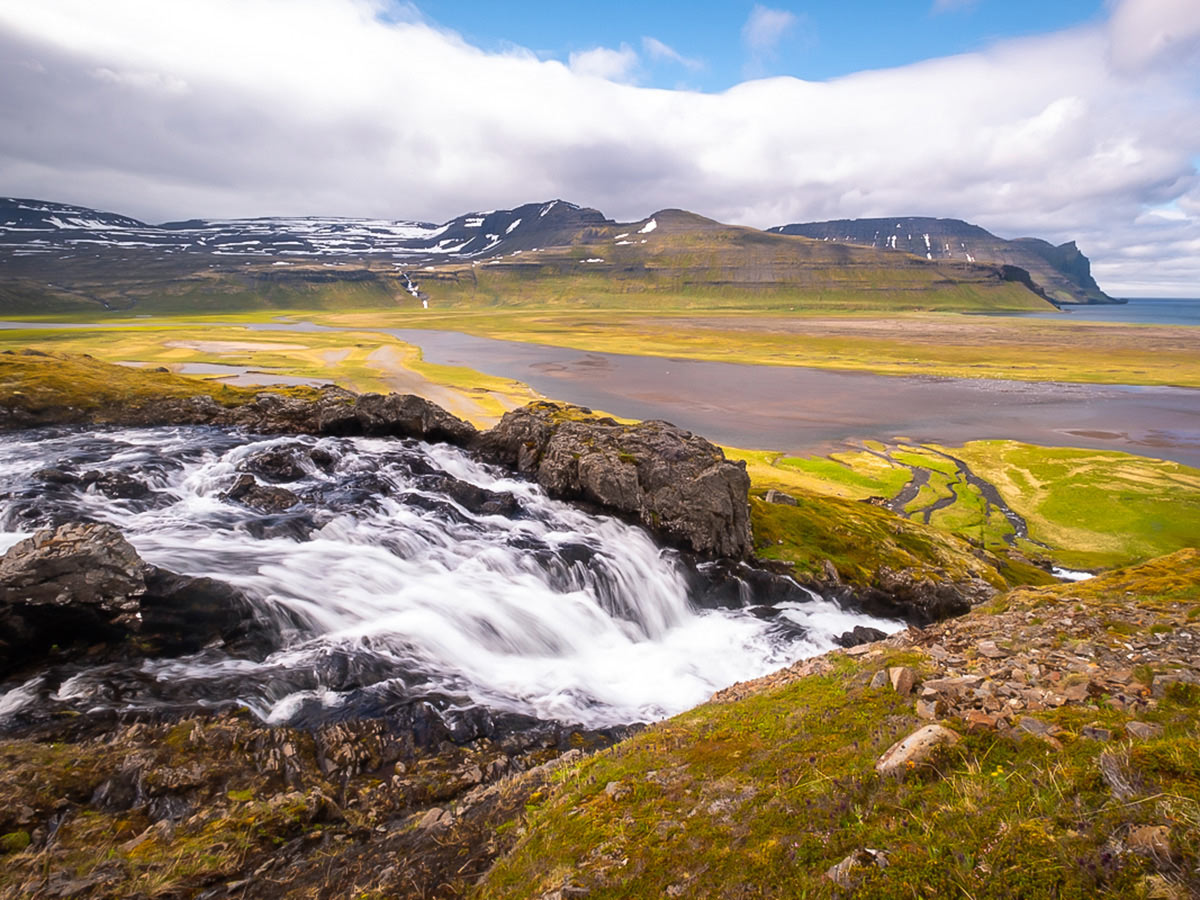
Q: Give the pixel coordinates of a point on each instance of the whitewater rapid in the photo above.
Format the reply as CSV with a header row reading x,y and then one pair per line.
x,y
384,589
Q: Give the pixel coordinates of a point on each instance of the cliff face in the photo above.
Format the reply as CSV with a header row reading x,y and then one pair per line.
x,y
1062,272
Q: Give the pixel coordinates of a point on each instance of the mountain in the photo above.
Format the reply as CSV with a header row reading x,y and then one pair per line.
x,y
59,258
39,228
1062,273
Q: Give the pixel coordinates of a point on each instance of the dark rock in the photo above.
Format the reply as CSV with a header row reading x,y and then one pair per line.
x,y
859,635
116,485
406,415
78,583
477,500
279,464
916,598
774,496
83,584
729,584
263,498
676,484
56,476
181,614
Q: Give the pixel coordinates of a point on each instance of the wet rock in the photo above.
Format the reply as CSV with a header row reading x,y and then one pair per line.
x,y
406,415
116,485
915,750
84,585
279,464
182,614
918,599
77,583
674,483
264,498
477,500
730,584
860,634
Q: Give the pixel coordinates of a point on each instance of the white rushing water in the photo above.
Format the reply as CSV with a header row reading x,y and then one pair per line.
x,y
386,588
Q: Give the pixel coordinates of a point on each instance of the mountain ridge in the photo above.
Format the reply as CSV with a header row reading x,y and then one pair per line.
x,y
1062,271
54,255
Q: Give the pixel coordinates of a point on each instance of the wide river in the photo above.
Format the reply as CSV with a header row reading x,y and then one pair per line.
x,y
806,410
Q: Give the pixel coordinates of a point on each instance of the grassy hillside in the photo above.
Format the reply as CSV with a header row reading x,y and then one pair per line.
x,y
1091,791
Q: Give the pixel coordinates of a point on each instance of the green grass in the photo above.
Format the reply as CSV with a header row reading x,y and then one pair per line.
x,y
1094,508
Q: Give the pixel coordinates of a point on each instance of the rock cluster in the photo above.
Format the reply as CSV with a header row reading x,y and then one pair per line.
x,y
676,484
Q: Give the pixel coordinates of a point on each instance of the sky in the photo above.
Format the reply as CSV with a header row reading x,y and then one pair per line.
x,y
1062,119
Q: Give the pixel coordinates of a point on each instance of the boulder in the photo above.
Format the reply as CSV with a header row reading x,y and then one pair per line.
x,y
407,415
676,484
83,585
915,750
919,599
860,634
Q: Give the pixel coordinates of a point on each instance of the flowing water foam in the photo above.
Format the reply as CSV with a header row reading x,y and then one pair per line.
x,y
384,588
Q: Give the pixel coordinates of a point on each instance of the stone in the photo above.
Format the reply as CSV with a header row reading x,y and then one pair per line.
x,y
1096,732
83,585
915,750
774,496
951,687
979,721
843,874
902,678
674,483
435,819
879,679
1033,726
926,709
990,650
1143,730
263,498
407,415
860,634
617,791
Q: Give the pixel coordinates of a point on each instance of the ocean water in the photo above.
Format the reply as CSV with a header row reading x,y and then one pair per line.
x,y
1138,311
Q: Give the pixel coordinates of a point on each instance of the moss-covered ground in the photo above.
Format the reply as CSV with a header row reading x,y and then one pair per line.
x,y
760,796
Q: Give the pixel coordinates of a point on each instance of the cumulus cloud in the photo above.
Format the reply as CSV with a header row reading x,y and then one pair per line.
x,y
657,50
605,62
227,107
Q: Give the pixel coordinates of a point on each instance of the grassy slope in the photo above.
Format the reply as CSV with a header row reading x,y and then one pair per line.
x,y
1084,508
758,797
1095,508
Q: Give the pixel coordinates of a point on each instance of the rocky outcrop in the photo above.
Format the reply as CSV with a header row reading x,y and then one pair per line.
x,y
333,411
676,484
82,585
908,594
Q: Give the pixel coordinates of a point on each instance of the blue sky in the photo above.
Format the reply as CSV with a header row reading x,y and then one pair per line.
x,y
823,40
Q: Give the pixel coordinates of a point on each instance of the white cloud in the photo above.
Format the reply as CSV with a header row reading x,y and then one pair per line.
x,y
227,107
657,50
1149,33
766,27
604,62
